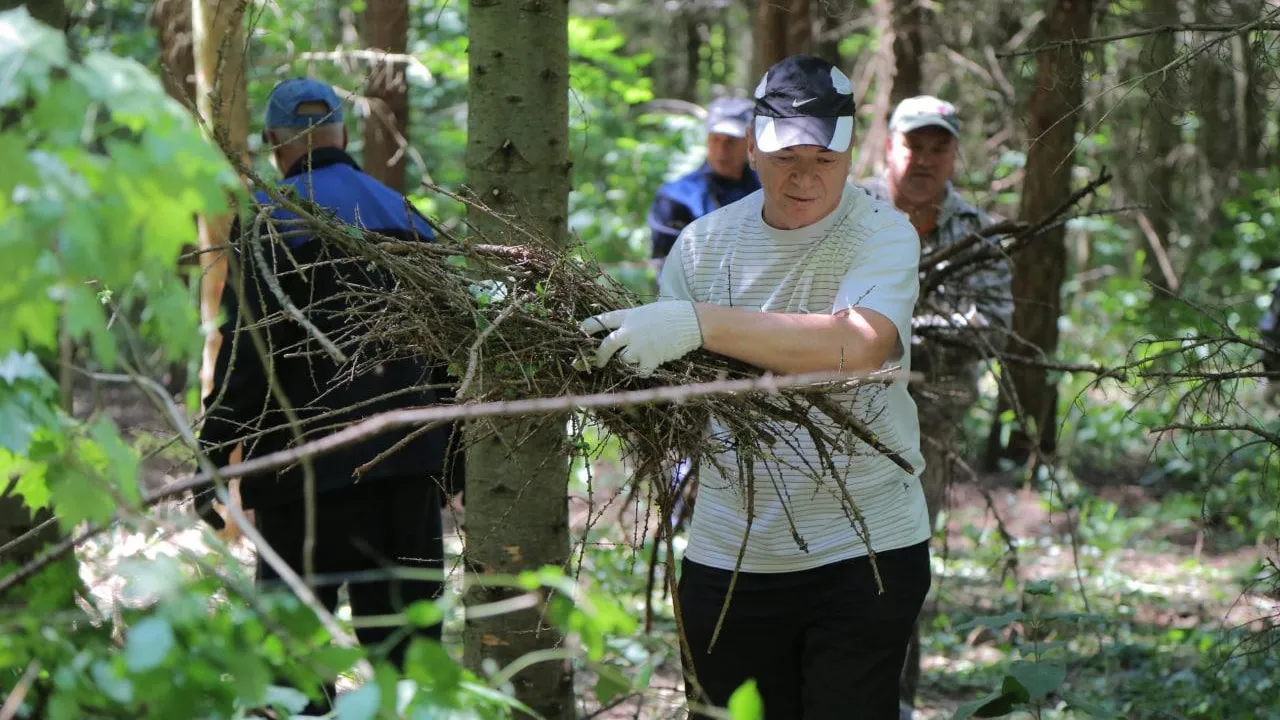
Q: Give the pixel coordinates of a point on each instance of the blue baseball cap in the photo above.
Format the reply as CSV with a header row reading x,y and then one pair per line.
x,y
288,95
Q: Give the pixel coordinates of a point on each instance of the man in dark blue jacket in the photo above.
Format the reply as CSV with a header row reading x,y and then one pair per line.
x,y
389,514
724,178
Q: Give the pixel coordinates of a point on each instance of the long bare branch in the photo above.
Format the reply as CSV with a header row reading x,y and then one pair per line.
x,y
440,414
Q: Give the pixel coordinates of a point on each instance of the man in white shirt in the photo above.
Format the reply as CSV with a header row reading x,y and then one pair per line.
x,y
808,274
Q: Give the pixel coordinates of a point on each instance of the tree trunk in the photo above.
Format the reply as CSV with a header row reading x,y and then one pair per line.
x,y
800,28
386,130
769,35
172,21
782,28
221,101
218,45
1249,52
869,148
1040,269
517,470
1156,187
909,18
692,61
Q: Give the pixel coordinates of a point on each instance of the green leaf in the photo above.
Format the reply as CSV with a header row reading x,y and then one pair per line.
x,y
424,613
24,366
285,698
18,169
22,414
32,485
498,699
84,316
147,580
1014,690
250,679
1039,678
118,688
29,50
1040,587
745,703
994,705
610,683
118,460
430,665
148,643
78,497
332,660
359,704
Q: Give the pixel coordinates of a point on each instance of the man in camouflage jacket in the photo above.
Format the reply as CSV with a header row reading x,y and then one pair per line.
x,y
958,324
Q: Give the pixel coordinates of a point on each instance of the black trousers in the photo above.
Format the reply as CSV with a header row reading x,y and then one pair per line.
x,y
367,528
821,644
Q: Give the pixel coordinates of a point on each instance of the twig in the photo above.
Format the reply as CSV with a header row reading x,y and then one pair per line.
x,y
13,702
393,419
943,254
1230,29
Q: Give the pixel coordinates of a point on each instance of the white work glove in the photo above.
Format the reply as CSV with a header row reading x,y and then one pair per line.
x,y
647,336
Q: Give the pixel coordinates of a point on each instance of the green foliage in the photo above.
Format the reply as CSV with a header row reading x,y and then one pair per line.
x,y
102,172
90,202
1028,682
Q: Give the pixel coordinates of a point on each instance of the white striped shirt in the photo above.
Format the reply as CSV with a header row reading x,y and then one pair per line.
x,y
865,254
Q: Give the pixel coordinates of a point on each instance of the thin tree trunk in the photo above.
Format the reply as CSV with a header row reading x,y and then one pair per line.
x,y
1040,270
826,41
1214,97
386,130
908,49
1249,52
879,67
769,35
689,75
218,44
218,40
517,470
782,28
1164,104
172,21
800,28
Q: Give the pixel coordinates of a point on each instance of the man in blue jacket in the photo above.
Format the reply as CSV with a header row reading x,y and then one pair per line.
x,y
724,178
389,514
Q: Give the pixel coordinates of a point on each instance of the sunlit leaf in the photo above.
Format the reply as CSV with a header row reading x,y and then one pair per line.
x,y
148,644
745,703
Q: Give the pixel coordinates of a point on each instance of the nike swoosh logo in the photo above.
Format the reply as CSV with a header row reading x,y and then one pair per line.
x,y
798,103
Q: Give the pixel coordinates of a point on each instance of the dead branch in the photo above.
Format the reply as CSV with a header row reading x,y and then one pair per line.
x,y
1230,30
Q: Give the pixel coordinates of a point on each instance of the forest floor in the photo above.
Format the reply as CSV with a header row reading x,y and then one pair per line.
x,y
1136,605
1137,590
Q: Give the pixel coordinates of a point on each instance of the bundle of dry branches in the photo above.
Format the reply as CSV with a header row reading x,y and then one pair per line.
x,y
505,319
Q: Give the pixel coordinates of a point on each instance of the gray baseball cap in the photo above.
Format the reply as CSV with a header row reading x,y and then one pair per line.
x,y
729,116
924,111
